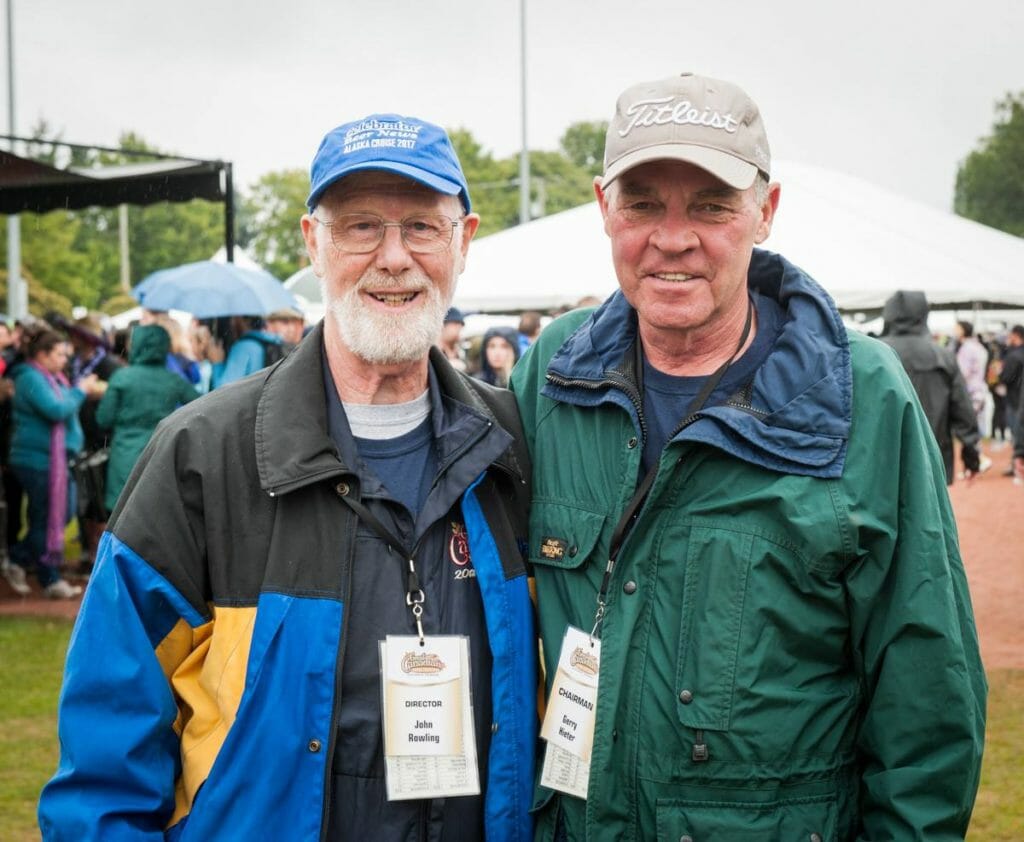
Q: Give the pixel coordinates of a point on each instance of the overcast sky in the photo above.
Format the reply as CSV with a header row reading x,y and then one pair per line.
x,y
894,91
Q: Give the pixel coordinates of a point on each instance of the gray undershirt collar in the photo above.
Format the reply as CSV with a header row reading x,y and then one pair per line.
x,y
387,420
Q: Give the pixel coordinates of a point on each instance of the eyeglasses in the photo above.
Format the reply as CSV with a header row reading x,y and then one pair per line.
x,y
361,233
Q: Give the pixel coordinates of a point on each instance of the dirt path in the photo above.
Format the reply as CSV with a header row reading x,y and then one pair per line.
x,y
990,517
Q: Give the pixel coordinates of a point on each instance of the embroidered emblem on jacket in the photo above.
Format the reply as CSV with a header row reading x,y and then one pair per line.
x,y
458,552
552,547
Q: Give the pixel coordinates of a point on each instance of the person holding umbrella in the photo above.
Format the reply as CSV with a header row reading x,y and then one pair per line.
x,y
312,589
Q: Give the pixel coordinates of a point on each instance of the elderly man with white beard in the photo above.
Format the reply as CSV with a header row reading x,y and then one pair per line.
x,y
310,617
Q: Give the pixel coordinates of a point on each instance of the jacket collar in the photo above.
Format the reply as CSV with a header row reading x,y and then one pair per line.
x,y
293,443
795,414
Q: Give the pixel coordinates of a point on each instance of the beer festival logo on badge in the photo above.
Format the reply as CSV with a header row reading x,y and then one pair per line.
x,y
426,663
583,661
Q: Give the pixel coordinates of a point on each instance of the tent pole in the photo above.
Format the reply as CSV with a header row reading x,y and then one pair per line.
x,y
229,214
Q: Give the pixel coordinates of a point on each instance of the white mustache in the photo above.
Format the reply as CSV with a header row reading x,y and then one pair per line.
x,y
372,281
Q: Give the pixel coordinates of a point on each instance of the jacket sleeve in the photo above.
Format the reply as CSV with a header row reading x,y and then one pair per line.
x,y
913,637
1011,370
109,405
37,393
119,721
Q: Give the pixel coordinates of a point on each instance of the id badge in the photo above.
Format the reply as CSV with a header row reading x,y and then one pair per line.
x,y
571,715
429,739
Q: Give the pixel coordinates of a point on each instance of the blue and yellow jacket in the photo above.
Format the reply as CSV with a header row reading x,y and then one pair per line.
x,y
201,690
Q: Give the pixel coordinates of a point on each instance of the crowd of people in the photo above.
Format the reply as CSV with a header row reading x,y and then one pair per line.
x,y
79,403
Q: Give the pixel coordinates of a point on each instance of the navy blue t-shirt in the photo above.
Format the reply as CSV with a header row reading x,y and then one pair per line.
x,y
406,464
667,397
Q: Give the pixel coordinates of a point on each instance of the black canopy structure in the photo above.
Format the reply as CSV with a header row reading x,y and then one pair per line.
x,y
27,185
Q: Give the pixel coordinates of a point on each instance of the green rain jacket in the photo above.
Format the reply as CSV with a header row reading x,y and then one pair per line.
x,y
789,650
138,397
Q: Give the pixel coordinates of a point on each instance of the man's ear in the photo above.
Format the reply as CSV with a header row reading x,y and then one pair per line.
x,y
603,201
470,222
311,234
771,204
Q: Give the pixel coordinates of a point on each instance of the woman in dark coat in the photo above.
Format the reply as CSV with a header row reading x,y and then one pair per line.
x,y
137,399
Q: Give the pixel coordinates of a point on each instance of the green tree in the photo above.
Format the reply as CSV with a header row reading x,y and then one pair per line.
x,y
556,183
990,182
583,144
270,217
493,184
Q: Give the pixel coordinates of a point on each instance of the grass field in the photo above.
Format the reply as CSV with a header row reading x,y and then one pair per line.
x,y
32,657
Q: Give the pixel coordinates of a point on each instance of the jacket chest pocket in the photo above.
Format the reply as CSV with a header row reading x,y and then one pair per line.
x,y
563,536
715,584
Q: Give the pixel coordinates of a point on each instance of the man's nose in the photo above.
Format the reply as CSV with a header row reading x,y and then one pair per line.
x,y
393,255
674,233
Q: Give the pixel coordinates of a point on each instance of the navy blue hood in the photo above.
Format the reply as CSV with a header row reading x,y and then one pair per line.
x,y
511,336
795,415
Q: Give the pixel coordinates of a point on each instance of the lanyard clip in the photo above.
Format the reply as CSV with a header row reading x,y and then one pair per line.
x,y
598,619
415,601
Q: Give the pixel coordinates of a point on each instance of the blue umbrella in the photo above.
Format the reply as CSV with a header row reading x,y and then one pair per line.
x,y
207,289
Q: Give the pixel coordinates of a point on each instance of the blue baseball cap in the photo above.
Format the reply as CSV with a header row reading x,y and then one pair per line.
x,y
407,146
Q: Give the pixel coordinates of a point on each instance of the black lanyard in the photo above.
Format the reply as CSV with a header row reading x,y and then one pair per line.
x,y
414,596
628,519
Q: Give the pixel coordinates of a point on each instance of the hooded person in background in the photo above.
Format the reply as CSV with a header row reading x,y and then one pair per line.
x,y
936,378
138,398
499,352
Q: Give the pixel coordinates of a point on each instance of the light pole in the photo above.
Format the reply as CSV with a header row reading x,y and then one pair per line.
x,y
16,303
524,155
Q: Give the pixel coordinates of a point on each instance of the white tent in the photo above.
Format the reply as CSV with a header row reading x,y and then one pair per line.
x,y
860,241
241,258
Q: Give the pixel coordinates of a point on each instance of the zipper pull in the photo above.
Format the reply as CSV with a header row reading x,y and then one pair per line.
x,y
700,749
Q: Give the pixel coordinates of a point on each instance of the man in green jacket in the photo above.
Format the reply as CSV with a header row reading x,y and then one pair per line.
x,y
755,618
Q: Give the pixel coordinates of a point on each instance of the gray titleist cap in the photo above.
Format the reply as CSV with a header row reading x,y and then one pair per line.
x,y
707,122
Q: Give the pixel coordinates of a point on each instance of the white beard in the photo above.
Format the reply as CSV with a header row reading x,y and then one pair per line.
x,y
384,339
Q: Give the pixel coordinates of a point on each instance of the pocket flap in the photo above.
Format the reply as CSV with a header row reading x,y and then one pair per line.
x,y
563,536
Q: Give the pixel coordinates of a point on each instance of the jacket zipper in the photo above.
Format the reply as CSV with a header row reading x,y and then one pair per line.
x,y
333,736
614,380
